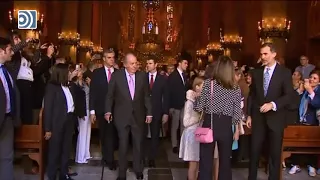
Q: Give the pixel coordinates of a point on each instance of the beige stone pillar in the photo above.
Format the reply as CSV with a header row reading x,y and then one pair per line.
x,y
276,9
70,24
85,28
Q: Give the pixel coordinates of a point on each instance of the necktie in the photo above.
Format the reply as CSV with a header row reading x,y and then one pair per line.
x,y
109,74
151,81
266,79
11,92
131,86
184,77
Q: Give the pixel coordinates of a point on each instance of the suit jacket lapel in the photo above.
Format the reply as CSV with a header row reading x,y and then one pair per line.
x,y
273,79
260,82
136,85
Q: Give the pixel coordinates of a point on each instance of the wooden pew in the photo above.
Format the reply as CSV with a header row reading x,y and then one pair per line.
x,y
300,140
29,140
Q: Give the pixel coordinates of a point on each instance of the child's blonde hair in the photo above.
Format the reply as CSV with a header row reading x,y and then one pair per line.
x,y
197,82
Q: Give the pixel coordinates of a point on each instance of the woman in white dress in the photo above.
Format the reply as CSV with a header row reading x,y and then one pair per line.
x,y
83,142
189,147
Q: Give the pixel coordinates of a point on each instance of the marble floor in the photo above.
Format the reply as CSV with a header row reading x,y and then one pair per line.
x,y
169,167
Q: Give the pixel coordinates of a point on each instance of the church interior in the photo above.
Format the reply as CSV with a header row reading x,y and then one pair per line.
x,y
82,30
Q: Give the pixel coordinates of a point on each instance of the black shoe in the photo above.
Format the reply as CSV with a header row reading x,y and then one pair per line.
x,y
151,164
112,166
66,177
139,176
121,178
175,150
73,173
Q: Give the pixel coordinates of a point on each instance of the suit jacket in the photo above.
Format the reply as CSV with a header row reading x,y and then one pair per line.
x,y
3,104
159,96
279,92
99,87
119,99
55,107
177,90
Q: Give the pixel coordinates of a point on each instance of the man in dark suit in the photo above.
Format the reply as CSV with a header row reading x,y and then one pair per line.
x,y
160,107
99,87
129,98
270,93
9,111
177,82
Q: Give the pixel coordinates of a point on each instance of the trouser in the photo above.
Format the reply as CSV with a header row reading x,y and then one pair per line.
x,y
244,147
260,133
137,138
107,136
6,149
152,147
60,145
222,130
176,121
26,97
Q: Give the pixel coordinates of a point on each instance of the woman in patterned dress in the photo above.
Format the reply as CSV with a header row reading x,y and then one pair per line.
x,y
189,147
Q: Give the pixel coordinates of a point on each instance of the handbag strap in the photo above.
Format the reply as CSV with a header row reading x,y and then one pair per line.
x,y
211,99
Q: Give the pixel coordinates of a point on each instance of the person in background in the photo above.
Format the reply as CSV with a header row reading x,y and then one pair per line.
x,y
220,101
189,147
160,107
305,68
81,86
170,69
90,68
59,119
309,105
297,80
177,82
9,111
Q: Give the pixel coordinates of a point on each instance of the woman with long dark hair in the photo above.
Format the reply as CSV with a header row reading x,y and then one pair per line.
x,y
59,120
220,101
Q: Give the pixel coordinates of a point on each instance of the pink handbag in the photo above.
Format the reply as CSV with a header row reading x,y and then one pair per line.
x,y
204,135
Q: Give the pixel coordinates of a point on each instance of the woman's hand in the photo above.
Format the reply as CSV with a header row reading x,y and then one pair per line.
x,y
47,135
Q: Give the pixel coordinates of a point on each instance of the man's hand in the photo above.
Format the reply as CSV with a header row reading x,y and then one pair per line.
x,y
148,119
236,134
165,118
248,122
266,107
107,116
93,118
47,136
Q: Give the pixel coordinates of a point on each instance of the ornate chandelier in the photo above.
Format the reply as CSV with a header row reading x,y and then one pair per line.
x,y
150,45
69,38
270,28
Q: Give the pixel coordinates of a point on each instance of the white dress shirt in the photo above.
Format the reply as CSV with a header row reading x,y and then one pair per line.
x,y
271,70
25,72
180,72
107,71
154,76
6,89
69,98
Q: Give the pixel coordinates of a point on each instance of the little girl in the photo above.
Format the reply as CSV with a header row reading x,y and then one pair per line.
x,y
189,147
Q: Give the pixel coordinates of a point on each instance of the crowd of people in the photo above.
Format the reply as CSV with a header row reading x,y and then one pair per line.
x,y
127,103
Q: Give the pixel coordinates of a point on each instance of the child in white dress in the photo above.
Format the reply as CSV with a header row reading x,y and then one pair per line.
x,y
189,147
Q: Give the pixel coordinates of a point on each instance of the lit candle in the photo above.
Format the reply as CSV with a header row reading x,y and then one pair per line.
x,y
157,30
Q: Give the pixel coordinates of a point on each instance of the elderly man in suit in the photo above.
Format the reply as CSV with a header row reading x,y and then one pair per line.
x,y
9,111
128,99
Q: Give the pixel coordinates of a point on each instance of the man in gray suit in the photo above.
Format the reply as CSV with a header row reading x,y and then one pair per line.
x,y
128,99
9,112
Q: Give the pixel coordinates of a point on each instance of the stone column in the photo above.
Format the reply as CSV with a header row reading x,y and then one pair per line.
x,y
205,22
56,17
231,25
96,23
276,9
85,28
70,24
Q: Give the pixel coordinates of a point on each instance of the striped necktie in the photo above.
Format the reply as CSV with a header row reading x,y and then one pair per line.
x,y
266,79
